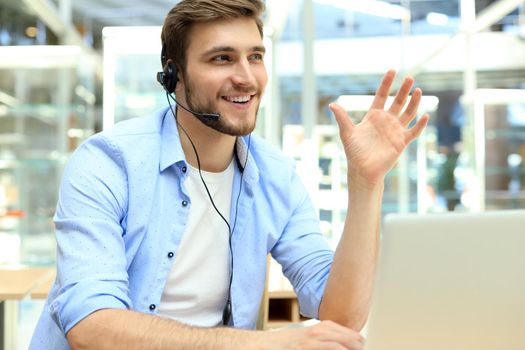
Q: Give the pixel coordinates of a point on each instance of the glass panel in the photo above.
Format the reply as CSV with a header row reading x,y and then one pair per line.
x,y
46,112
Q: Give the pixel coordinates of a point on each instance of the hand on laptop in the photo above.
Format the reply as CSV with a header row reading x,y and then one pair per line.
x,y
326,335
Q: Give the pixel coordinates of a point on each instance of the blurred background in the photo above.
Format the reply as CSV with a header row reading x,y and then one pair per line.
x,y
69,69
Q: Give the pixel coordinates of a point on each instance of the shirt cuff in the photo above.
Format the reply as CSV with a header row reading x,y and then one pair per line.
x,y
76,302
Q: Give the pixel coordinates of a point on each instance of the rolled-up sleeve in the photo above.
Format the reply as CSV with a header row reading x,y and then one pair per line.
x,y
90,224
303,251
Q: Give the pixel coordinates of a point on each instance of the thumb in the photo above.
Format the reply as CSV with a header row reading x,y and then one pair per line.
x,y
346,126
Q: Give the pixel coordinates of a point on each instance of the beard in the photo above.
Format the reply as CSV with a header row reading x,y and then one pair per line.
x,y
221,125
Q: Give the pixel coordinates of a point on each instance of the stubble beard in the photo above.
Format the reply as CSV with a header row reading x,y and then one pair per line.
x,y
221,125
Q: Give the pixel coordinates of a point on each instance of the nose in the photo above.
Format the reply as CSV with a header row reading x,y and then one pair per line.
x,y
244,74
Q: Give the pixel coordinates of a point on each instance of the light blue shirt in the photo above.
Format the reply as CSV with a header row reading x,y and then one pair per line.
x,y
122,210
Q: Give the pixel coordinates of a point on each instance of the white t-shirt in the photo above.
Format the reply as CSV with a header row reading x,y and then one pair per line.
x,y
197,287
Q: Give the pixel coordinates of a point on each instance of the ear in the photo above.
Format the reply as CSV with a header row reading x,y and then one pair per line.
x,y
180,78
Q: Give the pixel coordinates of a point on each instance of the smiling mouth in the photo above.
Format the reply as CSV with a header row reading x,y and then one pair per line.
x,y
238,99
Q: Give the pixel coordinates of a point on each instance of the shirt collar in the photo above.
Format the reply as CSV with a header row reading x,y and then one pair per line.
x,y
251,171
171,148
172,152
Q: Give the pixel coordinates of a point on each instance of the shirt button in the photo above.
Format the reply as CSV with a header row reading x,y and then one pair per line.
x,y
184,169
152,307
170,255
184,203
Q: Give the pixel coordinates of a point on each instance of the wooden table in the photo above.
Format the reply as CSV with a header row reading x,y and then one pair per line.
x,y
41,291
16,284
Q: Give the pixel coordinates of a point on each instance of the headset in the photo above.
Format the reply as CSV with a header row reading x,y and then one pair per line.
x,y
168,78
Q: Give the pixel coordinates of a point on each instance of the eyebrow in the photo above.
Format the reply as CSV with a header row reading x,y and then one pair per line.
x,y
217,49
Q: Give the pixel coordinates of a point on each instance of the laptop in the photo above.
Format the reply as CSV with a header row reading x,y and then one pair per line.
x,y
450,282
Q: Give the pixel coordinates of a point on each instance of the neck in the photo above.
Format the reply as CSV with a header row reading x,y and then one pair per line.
x,y
215,149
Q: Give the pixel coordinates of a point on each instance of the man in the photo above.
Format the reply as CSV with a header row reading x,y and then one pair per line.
x,y
164,223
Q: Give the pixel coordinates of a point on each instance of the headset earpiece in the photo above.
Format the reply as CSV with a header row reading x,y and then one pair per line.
x,y
170,76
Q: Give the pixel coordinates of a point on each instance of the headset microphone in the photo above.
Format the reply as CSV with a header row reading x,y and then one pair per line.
x,y
168,79
211,116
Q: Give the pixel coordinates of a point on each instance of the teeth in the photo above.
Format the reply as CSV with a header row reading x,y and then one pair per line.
x,y
238,98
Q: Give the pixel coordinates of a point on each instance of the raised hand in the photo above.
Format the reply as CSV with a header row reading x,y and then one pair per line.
x,y
373,146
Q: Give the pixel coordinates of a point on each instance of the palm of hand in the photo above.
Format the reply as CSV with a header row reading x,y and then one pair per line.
x,y
373,146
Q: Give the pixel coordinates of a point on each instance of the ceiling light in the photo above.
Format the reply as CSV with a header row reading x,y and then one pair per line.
x,y
437,19
48,12
31,32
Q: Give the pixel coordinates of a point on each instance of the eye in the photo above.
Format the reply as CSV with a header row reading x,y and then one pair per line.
x,y
221,58
257,57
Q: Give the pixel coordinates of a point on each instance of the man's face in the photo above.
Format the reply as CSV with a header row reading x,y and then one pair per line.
x,y
225,74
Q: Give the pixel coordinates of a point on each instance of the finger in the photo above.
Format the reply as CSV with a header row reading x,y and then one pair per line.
x,y
410,112
346,126
333,346
415,131
350,341
402,95
383,90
